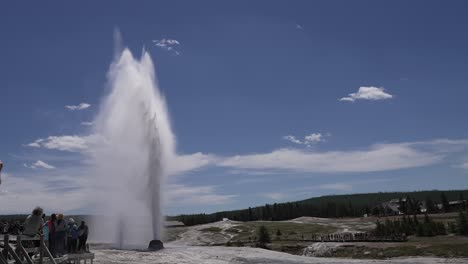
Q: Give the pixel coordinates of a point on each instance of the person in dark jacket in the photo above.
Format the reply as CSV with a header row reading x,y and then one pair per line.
x,y
83,231
70,225
60,236
52,225
74,238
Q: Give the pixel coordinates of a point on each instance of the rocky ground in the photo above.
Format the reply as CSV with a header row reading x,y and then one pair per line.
x,y
244,255
204,244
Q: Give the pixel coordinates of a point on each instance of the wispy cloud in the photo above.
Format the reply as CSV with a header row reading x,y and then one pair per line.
x,y
178,194
299,26
308,140
313,138
81,106
368,93
39,164
86,123
190,162
168,44
20,193
73,143
378,157
292,139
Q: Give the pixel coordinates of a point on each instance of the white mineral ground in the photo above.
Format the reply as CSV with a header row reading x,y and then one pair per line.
x,y
192,246
243,255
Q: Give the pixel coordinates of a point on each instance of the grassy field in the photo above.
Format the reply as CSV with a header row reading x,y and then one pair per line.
x,y
289,231
440,246
293,234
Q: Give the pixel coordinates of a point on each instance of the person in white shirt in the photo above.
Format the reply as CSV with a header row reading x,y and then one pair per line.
x,y
34,222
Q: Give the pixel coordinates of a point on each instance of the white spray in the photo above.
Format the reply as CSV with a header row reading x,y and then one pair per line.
x,y
130,159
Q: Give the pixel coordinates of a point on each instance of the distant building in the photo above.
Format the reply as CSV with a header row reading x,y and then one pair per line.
x,y
394,207
457,205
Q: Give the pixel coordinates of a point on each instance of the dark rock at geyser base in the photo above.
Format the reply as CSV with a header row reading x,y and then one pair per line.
x,y
155,245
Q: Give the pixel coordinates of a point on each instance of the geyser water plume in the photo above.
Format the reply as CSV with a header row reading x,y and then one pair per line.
x,y
131,158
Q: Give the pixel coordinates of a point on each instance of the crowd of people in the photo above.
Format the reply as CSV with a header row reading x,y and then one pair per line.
x,y
12,227
61,236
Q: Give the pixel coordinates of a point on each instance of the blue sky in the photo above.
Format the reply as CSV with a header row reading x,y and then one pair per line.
x,y
245,83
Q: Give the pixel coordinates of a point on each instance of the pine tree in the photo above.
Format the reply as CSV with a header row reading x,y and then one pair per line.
x,y
278,232
462,198
263,235
402,205
445,202
462,224
430,206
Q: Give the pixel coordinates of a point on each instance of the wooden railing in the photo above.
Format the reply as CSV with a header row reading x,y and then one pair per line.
x,y
14,251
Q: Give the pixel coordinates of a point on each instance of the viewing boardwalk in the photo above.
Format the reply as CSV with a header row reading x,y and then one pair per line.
x,y
13,251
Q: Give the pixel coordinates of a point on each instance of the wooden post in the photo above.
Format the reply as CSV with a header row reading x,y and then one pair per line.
x,y
41,249
21,249
11,251
6,242
17,250
47,252
3,260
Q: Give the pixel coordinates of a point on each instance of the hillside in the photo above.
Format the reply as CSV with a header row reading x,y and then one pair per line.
x,y
350,205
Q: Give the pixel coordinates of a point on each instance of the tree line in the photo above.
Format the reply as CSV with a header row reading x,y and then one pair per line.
x,y
332,206
426,227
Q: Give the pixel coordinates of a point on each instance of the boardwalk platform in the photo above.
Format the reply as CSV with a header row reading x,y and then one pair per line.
x,y
13,251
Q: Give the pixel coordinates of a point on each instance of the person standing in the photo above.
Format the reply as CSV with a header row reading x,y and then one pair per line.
x,y
74,238
45,231
52,226
70,224
83,231
60,236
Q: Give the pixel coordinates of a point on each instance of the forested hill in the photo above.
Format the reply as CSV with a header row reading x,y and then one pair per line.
x,y
352,205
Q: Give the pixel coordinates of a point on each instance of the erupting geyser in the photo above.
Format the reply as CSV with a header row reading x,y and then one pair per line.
x,y
132,147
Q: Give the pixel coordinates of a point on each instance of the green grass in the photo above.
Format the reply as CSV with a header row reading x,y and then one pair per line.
x,y
290,231
405,250
439,246
212,229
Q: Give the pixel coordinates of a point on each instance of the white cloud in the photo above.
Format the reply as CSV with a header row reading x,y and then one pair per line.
x,y
72,143
379,157
275,195
167,44
178,194
292,139
368,93
21,193
308,140
81,106
313,138
39,164
464,166
299,26
191,162
35,144
87,123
